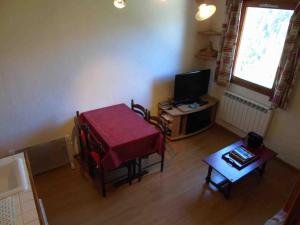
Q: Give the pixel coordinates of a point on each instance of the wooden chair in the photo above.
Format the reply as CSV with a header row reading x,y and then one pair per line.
x,y
160,124
92,152
292,207
139,109
289,215
144,113
85,144
162,127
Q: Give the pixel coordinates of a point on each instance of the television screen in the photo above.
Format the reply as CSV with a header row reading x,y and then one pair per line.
x,y
191,85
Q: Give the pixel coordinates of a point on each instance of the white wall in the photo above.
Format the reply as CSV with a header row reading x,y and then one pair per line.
x,y
283,135
284,132
60,56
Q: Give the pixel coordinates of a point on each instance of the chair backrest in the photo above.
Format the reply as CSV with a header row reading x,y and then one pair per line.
x,y
160,124
139,109
77,120
81,135
84,141
95,144
89,144
87,141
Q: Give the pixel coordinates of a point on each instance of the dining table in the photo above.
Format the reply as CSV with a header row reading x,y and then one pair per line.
x,y
124,134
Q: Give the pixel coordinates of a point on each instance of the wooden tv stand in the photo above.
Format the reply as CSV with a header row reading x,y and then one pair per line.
x,y
179,120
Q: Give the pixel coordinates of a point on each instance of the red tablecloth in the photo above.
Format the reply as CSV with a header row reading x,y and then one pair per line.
x,y
124,134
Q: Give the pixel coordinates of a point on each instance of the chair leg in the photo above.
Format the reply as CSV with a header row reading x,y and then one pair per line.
x,y
81,153
140,169
102,180
162,162
91,167
133,168
129,172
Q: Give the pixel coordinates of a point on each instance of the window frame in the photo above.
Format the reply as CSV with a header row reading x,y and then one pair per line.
x,y
291,5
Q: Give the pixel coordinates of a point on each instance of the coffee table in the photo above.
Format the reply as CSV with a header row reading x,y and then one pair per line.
x,y
231,174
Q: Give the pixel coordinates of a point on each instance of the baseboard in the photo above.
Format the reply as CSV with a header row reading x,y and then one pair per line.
x,y
292,167
231,128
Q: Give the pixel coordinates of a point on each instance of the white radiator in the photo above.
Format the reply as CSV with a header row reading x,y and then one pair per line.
x,y
50,155
245,114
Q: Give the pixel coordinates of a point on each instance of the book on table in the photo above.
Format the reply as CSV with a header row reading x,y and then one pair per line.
x,y
241,154
239,157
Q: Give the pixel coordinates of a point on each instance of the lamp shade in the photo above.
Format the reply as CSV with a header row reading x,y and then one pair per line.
x,y
120,4
205,11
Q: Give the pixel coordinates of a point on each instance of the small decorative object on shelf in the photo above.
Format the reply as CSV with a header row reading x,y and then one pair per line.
x,y
207,53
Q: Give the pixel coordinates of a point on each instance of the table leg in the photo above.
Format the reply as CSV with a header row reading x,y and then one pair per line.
x,y
224,186
133,168
130,173
227,191
262,169
102,178
208,174
140,169
162,162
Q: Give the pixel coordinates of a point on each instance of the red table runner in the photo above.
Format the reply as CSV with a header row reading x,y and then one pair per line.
x,y
124,134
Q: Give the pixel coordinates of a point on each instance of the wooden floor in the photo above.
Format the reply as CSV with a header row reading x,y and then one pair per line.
x,y
179,196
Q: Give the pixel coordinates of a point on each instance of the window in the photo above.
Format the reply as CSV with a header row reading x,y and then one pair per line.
x,y
261,40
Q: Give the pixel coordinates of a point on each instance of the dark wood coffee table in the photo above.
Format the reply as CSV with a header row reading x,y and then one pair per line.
x,y
231,174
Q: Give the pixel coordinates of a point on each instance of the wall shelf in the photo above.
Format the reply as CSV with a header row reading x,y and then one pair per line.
x,y
210,33
205,57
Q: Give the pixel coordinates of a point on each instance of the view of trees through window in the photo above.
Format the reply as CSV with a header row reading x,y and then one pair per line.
x,y
261,44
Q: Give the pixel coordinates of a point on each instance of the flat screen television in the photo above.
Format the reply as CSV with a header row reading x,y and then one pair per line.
x,y
191,85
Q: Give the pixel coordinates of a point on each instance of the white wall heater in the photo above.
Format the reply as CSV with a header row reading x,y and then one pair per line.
x,y
245,114
50,155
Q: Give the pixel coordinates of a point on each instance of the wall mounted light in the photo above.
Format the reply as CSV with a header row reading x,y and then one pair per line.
x,y
205,11
120,4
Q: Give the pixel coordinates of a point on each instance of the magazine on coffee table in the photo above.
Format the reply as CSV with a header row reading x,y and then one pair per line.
x,y
239,157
